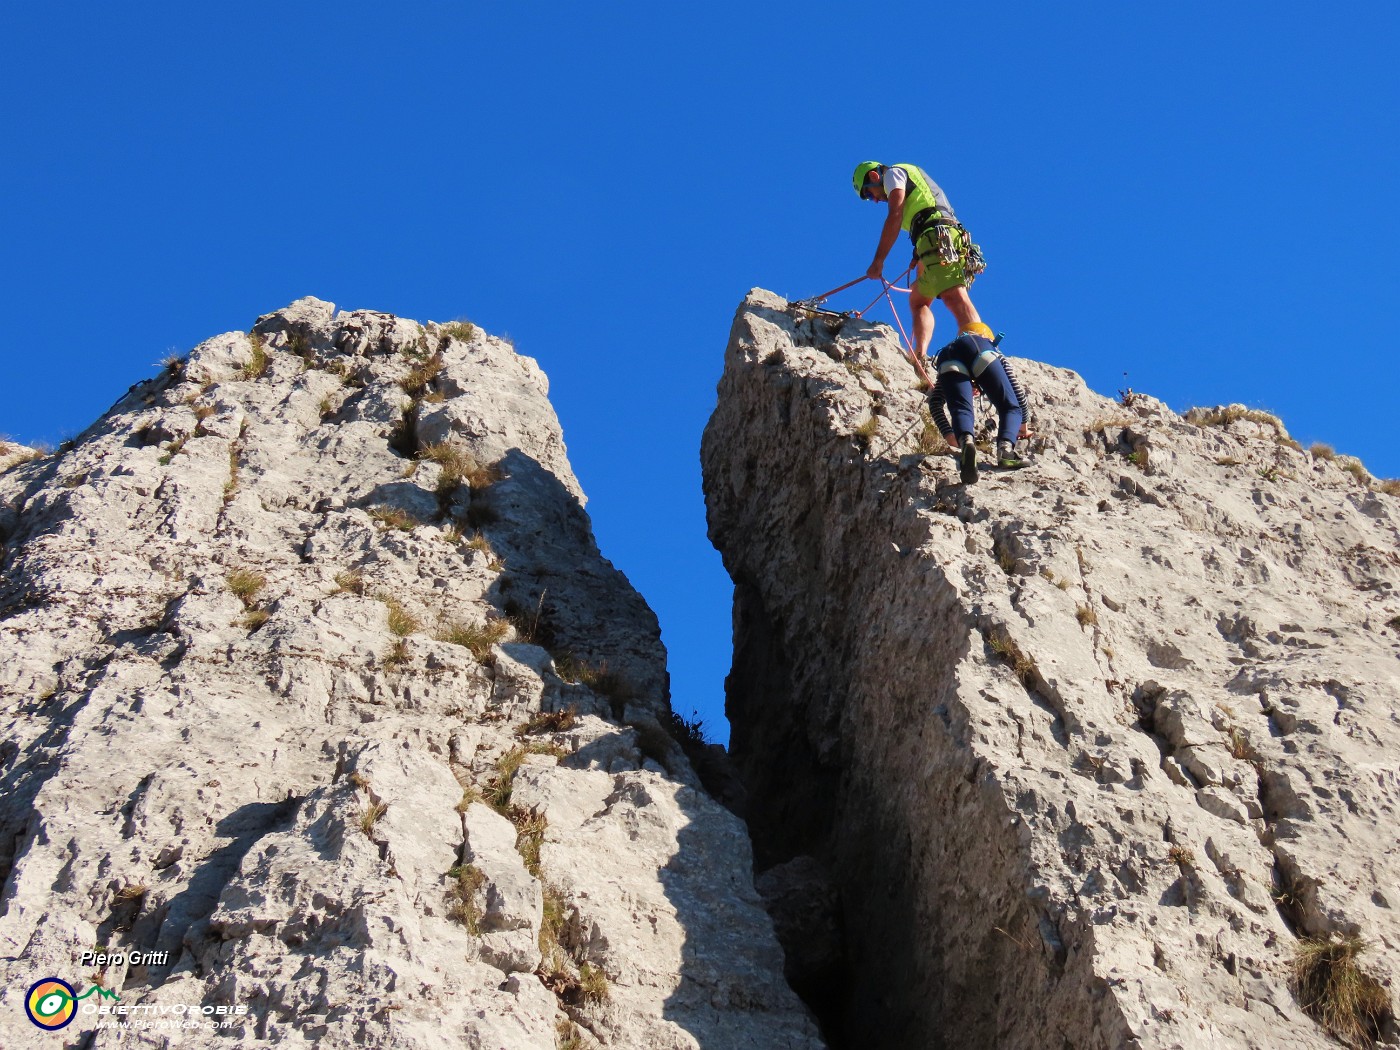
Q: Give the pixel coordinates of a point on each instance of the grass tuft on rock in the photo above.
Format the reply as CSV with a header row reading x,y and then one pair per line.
x,y
479,638
257,359
246,585
401,622
371,815
550,722
468,880
1336,993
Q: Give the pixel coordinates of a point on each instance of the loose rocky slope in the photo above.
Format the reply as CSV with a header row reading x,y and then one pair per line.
x,y
265,716
1086,752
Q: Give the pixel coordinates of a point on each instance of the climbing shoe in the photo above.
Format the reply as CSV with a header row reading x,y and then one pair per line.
x,y
967,461
1009,458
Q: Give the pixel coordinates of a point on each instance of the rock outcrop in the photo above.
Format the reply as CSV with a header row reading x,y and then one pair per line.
x,y
1091,754
326,721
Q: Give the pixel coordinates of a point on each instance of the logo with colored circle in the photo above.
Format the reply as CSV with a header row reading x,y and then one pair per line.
x,y
51,1003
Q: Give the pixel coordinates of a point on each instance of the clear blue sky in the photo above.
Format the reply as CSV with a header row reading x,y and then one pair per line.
x,y
1201,195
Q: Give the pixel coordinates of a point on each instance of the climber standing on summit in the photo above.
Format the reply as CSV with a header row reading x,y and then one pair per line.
x,y
947,263
946,258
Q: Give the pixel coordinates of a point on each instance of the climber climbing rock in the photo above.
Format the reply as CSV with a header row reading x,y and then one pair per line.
x,y
944,254
968,361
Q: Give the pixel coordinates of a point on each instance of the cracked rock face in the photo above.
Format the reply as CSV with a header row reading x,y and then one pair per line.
x,y
1088,750
318,694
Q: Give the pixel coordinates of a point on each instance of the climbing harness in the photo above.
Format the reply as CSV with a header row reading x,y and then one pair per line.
x,y
950,244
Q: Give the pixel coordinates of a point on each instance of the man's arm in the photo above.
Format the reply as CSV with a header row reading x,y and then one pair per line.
x,y
888,235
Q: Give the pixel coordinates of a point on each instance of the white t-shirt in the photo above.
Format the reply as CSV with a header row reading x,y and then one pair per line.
x,y
895,179
898,178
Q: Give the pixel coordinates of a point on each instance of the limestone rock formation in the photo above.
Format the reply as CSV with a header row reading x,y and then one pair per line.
x,y
1091,752
325,720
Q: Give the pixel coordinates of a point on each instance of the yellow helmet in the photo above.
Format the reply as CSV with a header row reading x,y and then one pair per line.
x,y
863,170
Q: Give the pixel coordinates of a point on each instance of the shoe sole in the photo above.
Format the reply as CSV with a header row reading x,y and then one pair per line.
x,y
968,462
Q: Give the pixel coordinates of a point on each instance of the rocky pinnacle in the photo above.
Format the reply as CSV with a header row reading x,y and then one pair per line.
x,y
1102,753
325,722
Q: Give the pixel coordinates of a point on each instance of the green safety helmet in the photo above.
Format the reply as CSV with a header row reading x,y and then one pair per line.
x,y
863,169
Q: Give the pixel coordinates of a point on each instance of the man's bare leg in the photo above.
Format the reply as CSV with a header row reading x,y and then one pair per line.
x,y
919,307
959,304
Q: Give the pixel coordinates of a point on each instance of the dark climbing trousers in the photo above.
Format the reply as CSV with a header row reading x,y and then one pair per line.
x,y
971,359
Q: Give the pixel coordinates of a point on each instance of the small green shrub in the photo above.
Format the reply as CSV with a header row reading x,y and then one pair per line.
x,y
1336,993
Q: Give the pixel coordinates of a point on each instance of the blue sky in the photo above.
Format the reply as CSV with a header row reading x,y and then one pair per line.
x,y
1200,195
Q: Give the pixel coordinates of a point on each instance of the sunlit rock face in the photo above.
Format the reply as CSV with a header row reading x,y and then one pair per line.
x,y
1088,754
325,721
